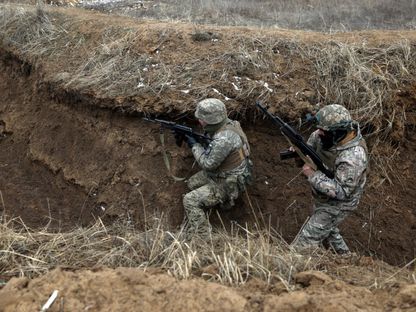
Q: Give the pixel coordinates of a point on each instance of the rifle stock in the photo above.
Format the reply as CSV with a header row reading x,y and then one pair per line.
x,y
303,150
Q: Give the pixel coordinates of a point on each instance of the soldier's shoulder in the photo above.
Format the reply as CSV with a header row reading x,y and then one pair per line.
x,y
354,152
226,134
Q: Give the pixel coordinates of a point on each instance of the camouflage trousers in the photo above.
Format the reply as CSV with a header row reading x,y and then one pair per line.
x,y
205,193
322,227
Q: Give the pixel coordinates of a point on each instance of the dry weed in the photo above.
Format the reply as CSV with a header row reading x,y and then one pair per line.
x,y
328,15
366,80
230,258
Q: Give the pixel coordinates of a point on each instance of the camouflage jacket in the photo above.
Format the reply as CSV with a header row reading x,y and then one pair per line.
x,y
349,162
224,142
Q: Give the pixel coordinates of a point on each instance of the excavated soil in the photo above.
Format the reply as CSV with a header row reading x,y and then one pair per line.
x,y
70,156
127,289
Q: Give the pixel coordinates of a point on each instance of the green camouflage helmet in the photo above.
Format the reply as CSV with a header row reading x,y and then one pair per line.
x,y
333,117
212,111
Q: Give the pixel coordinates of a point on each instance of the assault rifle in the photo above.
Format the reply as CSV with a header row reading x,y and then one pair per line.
x,y
302,149
181,131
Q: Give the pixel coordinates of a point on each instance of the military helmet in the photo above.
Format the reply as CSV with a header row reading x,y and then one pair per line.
x,y
332,117
212,111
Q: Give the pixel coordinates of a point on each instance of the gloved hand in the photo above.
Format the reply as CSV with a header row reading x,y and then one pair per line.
x,y
179,138
190,140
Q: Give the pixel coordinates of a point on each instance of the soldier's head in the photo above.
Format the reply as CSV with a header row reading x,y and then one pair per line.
x,y
335,123
211,111
332,117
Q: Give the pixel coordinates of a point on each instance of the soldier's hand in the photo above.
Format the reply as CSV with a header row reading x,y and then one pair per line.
x,y
307,170
190,140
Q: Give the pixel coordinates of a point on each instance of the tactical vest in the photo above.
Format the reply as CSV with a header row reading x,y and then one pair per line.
x,y
236,157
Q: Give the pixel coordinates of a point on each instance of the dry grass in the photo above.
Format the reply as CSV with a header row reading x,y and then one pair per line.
x,y
367,81
321,15
230,258
109,68
30,32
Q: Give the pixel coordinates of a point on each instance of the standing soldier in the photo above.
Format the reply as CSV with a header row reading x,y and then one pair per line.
x,y
225,163
339,143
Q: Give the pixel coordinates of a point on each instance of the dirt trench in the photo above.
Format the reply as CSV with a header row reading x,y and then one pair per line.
x,y
66,160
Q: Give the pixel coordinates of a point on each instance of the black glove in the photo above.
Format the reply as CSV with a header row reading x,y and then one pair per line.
x,y
179,138
190,140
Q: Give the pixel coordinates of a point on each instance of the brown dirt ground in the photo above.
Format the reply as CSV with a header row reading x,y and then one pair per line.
x,y
127,289
66,155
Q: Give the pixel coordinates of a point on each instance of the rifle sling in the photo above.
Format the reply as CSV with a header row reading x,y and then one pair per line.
x,y
166,158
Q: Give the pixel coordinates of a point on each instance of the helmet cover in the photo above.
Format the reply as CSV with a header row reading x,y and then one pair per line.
x,y
212,111
332,117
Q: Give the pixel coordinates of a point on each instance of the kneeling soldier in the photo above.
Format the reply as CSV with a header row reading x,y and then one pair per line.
x,y
225,163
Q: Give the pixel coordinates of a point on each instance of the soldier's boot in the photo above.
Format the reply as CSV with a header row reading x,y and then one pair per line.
x,y
337,243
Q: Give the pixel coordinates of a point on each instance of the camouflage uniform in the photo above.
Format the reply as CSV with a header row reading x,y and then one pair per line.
x,y
334,199
226,168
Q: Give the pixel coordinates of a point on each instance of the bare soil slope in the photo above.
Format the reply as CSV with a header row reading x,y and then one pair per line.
x,y
126,289
73,149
